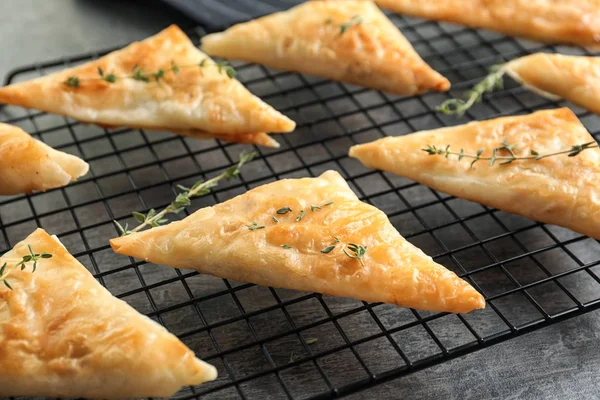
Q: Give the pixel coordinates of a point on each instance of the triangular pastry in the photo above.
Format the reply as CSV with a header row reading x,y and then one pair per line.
x,y
26,164
193,94
343,40
574,78
305,234
562,190
551,21
64,335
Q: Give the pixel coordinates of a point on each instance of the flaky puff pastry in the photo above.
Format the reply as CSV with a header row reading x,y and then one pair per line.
x,y
553,21
559,190
308,39
197,101
26,164
555,76
63,335
226,241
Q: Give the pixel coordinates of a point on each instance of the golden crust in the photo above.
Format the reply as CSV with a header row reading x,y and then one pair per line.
x,y
63,335
27,164
203,99
553,21
558,190
574,78
307,39
216,240
259,139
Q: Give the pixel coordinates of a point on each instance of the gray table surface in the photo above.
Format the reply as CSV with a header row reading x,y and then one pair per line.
x,y
558,362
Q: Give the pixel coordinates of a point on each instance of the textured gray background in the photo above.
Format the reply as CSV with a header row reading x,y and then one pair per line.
x,y
557,362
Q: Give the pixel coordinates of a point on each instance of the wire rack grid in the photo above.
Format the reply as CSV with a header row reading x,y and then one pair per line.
x,y
262,339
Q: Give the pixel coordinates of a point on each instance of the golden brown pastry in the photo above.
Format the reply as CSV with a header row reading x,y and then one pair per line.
x,y
343,40
574,78
63,335
26,164
305,234
553,21
559,190
178,88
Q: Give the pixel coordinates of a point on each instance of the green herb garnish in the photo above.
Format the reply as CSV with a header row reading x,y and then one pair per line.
x,y
314,208
491,82
139,74
300,216
255,226
511,149
183,199
328,249
358,252
5,270
284,210
354,21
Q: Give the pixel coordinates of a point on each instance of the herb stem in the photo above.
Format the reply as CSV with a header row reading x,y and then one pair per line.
x,y
491,82
182,200
534,155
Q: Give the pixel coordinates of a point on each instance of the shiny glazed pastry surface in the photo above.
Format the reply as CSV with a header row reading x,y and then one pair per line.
x,y
198,101
308,39
27,164
574,78
553,21
63,335
559,190
289,253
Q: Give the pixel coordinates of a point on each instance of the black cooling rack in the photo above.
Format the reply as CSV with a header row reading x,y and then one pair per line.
x,y
532,274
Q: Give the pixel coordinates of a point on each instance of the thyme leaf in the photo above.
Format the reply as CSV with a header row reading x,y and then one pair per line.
x,y
314,208
293,357
328,249
354,21
255,226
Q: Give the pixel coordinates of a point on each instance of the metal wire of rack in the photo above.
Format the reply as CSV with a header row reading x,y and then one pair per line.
x,y
531,274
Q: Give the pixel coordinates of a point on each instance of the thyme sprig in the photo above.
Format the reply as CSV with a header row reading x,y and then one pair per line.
x,y
575,150
183,199
354,21
139,74
493,81
315,208
5,270
358,252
